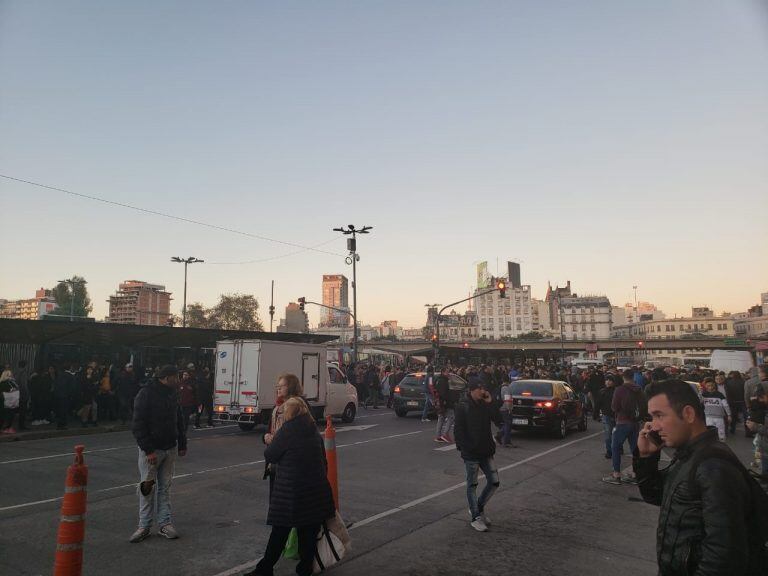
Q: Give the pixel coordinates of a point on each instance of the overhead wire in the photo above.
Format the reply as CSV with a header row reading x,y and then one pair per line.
x,y
185,220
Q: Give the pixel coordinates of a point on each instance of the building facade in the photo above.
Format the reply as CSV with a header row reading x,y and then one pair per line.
x,y
751,326
552,299
296,320
540,319
30,308
138,302
671,328
586,317
507,317
336,295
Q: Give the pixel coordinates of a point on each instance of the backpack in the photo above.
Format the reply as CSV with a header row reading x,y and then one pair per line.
x,y
757,527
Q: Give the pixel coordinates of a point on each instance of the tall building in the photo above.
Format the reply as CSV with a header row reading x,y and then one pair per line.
x,y
335,294
540,316
138,302
507,317
764,302
552,299
31,308
586,317
296,320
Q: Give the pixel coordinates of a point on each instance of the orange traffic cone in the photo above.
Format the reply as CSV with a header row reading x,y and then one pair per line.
x,y
69,544
330,456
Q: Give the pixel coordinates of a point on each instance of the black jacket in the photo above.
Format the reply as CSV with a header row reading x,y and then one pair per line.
x,y
158,423
605,399
444,393
702,527
301,494
472,429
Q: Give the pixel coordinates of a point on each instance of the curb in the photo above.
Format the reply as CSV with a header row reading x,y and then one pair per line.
x,y
74,431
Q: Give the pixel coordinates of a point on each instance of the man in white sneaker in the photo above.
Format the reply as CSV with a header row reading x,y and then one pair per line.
x,y
158,426
474,439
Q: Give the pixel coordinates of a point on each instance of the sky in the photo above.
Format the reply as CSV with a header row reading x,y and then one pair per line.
x,y
612,144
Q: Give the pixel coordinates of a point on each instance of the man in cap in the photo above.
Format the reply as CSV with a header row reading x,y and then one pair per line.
x,y
474,439
158,426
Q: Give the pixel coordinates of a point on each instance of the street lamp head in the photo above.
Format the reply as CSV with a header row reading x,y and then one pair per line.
x,y
338,229
351,226
176,259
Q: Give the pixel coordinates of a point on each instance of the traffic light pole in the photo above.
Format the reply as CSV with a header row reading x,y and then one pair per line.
x,y
500,288
303,301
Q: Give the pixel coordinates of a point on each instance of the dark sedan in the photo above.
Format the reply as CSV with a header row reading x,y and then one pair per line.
x,y
548,405
408,395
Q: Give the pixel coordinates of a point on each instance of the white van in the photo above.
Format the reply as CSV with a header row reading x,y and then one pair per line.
x,y
246,378
583,363
727,360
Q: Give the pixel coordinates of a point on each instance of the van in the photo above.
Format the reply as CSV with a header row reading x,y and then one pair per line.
x,y
246,379
727,360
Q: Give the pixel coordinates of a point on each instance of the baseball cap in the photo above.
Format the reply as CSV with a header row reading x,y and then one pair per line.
x,y
474,385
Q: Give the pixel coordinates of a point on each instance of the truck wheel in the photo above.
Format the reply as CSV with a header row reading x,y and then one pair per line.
x,y
246,426
401,413
349,413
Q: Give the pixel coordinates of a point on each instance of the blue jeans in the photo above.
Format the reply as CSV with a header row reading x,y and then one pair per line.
x,y
161,493
506,431
608,423
622,433
476,507
427,403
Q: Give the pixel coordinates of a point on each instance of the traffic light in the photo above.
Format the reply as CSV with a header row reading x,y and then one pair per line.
x,y
434,341
302,301
502,286
641,344
465,345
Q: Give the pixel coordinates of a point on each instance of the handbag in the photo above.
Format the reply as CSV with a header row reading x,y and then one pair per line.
x,y
11,399
329,551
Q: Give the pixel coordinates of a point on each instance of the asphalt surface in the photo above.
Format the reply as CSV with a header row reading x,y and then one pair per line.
x,y
402,492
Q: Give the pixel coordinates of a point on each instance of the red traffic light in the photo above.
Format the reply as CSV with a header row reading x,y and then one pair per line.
x,y
640,344
502,287
434,337
465,345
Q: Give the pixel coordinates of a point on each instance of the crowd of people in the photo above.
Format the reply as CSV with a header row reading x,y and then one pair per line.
x,y
71,394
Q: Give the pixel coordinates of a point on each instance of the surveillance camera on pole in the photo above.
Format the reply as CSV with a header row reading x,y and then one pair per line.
x,y
352,260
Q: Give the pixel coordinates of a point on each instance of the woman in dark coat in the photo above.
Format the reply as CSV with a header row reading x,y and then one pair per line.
x,y
301,496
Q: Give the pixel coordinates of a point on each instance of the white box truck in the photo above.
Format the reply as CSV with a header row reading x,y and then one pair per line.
x,y
246,380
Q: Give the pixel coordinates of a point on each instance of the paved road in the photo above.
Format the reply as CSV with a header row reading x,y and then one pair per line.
x,y
403,492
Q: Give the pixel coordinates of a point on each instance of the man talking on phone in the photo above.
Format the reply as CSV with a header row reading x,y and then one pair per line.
x,y
707,523
474,439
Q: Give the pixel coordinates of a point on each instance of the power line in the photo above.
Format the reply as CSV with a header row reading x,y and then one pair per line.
x,y
335,238
177,218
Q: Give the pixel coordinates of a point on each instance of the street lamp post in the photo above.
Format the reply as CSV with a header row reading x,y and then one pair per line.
x,y
636,307
72,281
186,262
352,259
562,327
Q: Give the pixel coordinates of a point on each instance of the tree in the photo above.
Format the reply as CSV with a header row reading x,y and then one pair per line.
x,y
235,312
81,307
198,316
530,336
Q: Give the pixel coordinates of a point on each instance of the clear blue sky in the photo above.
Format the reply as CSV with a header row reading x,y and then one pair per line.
x,y
610,143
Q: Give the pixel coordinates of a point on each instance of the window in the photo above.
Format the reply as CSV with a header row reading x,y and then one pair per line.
x,y
709,326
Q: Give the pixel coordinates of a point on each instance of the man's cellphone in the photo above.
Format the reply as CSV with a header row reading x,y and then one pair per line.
x,y
655,437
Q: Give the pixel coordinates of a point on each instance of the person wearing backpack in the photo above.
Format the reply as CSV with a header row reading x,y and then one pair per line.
x,y
712,512
626,409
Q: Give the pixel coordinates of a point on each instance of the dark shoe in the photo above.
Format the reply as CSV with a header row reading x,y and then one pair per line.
x,y
608,455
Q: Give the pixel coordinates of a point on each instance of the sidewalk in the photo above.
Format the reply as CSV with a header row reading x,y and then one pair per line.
x,y
50,431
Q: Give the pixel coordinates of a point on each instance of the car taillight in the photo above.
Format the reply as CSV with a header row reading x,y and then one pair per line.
x,y
546,404
249,409
397,389
219,409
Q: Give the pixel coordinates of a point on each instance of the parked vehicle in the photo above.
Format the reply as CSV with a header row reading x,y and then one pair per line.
x,y
247,373
548,405
408,395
